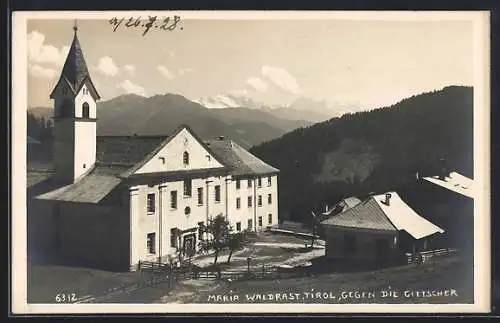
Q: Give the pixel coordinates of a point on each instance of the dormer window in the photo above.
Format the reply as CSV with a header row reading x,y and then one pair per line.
x,y
185,158
85,110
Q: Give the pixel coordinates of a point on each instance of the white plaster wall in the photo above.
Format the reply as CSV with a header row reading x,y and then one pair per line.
x,y
165,218
244,213
74,141
80,99
267,208
199,157
85,147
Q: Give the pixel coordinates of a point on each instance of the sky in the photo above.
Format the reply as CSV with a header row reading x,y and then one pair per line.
x,y
365,63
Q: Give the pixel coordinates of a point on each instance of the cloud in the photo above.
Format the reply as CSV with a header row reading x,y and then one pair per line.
x,y
41,72
239,92
130,69
165,72
130,88
38,52
257,84
183,71
281,78
107,66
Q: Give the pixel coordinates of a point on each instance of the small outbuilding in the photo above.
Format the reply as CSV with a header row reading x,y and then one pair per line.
x,y
377,230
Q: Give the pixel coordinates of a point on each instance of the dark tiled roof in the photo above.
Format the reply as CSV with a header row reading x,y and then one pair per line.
x,y
239,160
366,215
126,150
91,188
35,177
75,71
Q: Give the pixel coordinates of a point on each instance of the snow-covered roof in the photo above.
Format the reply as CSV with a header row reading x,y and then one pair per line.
x,y
375,214
455,182
403,217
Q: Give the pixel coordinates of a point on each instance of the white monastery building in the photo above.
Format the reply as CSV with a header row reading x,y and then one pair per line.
x,y
118,200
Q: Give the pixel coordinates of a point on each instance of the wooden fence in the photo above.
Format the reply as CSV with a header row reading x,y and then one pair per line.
x,y
425,256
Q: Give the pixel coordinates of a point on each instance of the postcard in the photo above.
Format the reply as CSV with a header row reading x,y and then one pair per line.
x,y
250,162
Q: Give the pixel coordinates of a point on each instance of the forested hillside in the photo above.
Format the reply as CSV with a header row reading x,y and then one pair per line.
x,y
372,151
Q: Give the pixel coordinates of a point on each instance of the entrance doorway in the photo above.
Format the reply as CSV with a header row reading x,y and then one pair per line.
x,y
189,245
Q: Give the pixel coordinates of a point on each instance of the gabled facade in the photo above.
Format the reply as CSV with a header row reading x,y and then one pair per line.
x,y
119,200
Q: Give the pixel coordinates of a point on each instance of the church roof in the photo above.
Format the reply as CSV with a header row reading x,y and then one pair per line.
x,y
239,160
117,158
125,150
75,72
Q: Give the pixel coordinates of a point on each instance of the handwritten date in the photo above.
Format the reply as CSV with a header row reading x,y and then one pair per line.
x,y
168,23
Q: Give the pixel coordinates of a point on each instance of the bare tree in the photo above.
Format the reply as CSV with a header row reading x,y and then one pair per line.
x,y
218,230
236,241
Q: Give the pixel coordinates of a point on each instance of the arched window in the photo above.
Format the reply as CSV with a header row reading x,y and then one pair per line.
x,y
185,158
85,110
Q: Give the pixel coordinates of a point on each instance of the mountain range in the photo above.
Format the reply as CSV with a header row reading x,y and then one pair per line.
x,y
161,114
372,151
303,108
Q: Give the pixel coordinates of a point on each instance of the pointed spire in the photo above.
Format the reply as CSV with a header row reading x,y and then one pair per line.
x,y
75,71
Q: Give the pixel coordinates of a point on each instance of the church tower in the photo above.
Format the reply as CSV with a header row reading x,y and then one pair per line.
x,y
75,117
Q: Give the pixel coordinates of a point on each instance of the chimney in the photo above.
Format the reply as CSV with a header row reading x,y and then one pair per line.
x,y
443,169
326,207
387,199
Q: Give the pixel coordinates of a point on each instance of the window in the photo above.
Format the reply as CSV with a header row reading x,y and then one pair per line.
x,y
269,219
259,182
173,237
187,187
84,166
269,181
173,199
249,183
249,201
238,184
162,160
85,110
151,243
260,221
200,196
238,203
250,224
217,193
151,203
201,229
269,198
259,200
185,158
187,210
350,245
238,226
